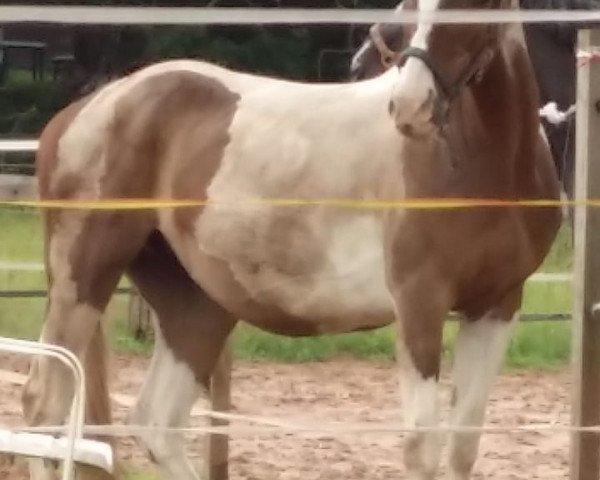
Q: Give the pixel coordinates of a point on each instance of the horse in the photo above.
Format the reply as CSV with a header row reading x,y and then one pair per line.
x,y
445,122
552,51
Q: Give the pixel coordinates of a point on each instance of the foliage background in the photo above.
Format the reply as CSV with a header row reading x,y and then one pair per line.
x,y
301,52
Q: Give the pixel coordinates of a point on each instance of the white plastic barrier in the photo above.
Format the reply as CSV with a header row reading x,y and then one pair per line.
x,y
73,447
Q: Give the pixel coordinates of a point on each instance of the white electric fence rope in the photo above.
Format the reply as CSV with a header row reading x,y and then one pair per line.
x,y
265,425
231,16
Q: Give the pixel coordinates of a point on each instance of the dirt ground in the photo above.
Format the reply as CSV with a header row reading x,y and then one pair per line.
x,y
346,391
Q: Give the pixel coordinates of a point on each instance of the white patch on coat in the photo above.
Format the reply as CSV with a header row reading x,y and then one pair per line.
x,y
416,82
165,401
480,349
420,409
278,150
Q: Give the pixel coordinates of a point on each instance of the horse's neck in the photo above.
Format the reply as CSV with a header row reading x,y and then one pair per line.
x,y
483,135
512,91
510,83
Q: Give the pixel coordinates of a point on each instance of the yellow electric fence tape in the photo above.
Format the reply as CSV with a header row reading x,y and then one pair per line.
x,y
359,204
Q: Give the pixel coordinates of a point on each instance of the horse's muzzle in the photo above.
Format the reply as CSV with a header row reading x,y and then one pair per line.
x,y
414,114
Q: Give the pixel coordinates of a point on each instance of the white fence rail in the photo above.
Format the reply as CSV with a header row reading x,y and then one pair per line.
x,y
232,16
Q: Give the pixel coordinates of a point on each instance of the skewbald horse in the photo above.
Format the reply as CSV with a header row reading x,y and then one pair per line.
x,y
458,117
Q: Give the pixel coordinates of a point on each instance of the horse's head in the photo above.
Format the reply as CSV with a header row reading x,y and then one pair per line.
x,y
438,62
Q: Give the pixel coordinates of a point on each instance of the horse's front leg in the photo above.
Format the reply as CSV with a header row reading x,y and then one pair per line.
x,y
480,348
420,311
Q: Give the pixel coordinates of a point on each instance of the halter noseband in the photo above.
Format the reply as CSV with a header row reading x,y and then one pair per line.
x,y
472,73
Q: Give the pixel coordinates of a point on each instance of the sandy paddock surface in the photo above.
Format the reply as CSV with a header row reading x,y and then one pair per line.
x,y
345,391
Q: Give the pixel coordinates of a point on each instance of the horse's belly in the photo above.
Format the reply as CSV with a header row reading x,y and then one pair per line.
x,y
323,269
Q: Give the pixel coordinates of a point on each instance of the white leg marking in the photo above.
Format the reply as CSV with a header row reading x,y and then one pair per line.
x,y
480,349
166,399
39,471
420,406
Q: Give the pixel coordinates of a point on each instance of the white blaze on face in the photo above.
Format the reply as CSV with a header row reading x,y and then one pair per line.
x,y
415,86
421,37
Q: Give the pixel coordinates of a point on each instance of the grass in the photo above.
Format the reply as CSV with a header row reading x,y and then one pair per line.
x,y
20,235
535,344
139,475
251,343
560,257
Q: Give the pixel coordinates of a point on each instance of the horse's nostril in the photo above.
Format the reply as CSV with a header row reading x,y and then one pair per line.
x,y
391,107
430,99
406,130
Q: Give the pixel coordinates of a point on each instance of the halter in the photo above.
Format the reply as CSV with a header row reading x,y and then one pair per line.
x,y
388,57
449,91
473,73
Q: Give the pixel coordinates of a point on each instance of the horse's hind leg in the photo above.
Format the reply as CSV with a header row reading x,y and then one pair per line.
x,y
189,336
480,349
86,253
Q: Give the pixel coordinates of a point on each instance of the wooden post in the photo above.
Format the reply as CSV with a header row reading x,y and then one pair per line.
x,y
585,447
220,394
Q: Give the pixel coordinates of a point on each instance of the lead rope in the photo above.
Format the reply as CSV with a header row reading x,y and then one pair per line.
x,y
556,117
